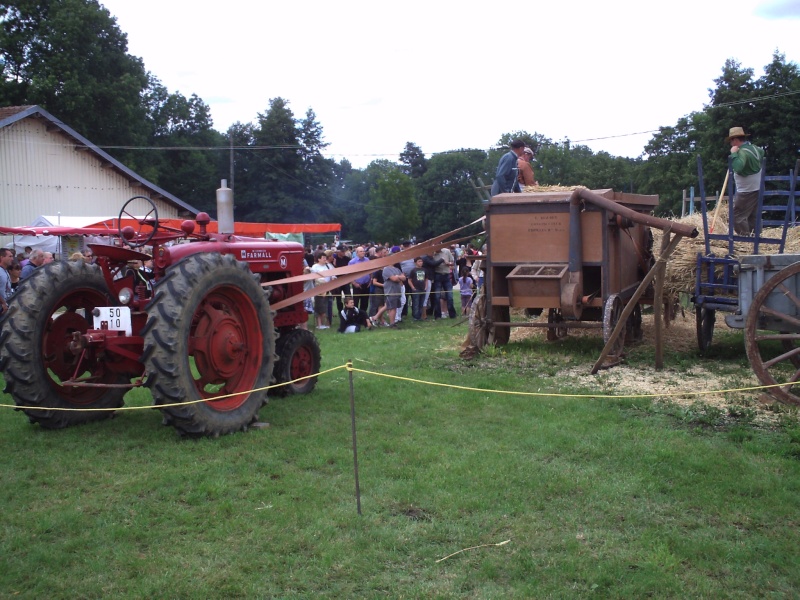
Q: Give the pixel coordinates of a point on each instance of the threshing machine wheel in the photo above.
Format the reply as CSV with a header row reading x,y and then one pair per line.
x,y
209,334
147,225
298,356
775,363
704,318
478,328
499,336
612,311
633,326
554,317
52,304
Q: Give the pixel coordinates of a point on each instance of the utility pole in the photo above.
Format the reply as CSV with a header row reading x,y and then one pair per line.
x,y
230,136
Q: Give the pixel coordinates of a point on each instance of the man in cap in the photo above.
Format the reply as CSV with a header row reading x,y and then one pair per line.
x,y
505,179
525,176
746,165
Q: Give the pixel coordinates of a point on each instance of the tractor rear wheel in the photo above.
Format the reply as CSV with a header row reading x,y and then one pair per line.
x,y
298,356
209,345
50,306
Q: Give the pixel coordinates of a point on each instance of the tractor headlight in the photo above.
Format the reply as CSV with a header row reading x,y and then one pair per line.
x,y
125,295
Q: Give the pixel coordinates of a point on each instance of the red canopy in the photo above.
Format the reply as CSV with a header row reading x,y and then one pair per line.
x,y
239,228
109,227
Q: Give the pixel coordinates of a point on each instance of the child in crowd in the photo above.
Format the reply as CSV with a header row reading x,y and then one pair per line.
x,y
465,285
351,319
418,281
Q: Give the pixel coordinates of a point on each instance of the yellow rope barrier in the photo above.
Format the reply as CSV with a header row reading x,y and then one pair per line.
x,y
188,402
349,367
558,395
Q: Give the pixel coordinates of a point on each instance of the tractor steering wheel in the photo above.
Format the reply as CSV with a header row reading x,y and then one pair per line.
x,y
147,225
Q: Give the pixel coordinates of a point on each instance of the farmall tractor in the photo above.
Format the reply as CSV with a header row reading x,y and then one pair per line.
x,y
198,332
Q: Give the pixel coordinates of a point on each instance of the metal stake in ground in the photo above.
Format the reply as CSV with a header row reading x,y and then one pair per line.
x,y
353,426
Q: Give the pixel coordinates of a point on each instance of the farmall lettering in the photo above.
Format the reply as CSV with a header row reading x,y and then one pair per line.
x,y
255,254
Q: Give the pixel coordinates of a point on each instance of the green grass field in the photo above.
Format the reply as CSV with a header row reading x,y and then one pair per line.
x,y
603,497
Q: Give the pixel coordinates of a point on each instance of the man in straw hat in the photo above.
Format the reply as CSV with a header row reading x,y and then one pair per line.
x,y
746,165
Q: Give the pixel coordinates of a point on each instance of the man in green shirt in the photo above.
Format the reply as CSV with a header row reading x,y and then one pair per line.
x,y
746,165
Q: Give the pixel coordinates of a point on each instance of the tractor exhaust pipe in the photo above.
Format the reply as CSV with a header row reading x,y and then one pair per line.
x,y
225,209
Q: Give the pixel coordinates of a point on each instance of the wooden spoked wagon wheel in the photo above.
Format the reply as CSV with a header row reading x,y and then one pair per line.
x,y
772,335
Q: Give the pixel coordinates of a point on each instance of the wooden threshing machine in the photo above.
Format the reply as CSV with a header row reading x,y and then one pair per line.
x,y
579,255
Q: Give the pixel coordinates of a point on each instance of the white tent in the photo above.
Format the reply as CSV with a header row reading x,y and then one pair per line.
x,y
62,246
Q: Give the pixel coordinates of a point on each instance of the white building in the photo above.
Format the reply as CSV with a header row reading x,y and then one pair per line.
x,y
47,168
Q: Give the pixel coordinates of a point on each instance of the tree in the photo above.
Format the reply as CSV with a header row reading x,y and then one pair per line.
x,y
350,206
534,140
731,99
320,173
413,161
71,58
767,108
177,122
776,120
445,194
392,212
275,185
671,166
731,104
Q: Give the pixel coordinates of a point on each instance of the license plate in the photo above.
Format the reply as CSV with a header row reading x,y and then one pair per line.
x,y
113,317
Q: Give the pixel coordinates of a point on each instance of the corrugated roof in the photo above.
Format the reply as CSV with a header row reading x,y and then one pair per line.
x,y
12,114
8,111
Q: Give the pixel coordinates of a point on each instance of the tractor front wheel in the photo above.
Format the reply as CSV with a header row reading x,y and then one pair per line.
x,y
298,356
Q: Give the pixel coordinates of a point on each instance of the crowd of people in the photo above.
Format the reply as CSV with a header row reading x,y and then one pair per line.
x,y
16,268
417,288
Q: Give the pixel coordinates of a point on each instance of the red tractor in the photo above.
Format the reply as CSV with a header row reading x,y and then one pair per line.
x,y
197,330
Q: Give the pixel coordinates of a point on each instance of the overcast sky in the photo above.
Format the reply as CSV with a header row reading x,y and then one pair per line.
x,y
447,75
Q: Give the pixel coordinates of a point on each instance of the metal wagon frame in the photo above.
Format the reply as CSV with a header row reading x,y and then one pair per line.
x,y
760,291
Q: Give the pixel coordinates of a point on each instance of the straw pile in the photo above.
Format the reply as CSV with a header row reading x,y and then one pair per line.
x,y
531,189
682,265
